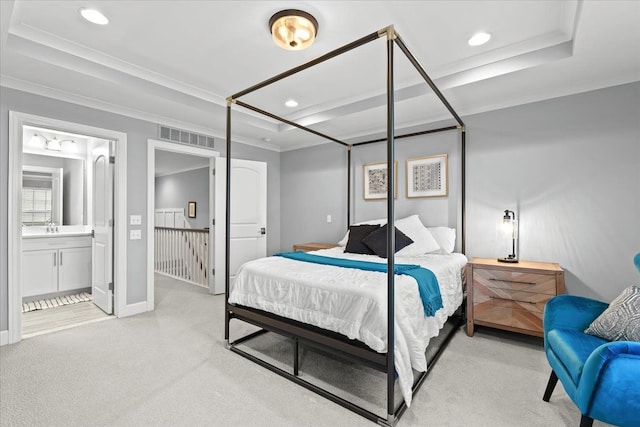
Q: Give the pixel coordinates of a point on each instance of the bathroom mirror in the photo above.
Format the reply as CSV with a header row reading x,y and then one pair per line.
x,y
53,190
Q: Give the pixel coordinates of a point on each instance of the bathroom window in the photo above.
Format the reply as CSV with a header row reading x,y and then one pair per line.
x,y
36,205
41,195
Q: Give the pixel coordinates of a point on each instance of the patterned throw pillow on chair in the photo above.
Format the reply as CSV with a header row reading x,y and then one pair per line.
x,y
621,321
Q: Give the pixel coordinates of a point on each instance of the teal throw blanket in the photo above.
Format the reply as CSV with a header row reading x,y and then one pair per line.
x,y
427,281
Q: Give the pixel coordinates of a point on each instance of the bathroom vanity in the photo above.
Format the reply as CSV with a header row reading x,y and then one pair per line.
x,y
55,262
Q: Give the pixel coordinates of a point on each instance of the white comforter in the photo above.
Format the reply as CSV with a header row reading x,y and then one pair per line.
x,y
354,302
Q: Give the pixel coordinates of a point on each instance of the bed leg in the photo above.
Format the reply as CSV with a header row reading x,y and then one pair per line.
x,y
391,419
295,357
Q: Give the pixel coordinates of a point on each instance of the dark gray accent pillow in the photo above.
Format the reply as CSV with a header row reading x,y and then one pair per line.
x,y
356,234
377,241
621,320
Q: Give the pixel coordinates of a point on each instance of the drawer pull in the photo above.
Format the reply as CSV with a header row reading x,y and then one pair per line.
x,y
515,300
512,281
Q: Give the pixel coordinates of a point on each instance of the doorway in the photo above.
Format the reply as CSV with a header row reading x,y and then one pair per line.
x,y
65,225
173,219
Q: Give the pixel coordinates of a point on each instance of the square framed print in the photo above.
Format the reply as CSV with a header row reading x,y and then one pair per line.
x,y
427,176
375,179
191,212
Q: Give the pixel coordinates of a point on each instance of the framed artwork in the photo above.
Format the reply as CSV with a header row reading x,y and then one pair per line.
x,y
375,181
427,176
191,212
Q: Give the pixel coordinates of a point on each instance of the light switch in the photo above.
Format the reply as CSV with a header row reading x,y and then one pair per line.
x,y
328,218
135,220
135,234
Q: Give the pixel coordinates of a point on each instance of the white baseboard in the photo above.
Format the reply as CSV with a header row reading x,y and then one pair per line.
x,y
133,309
4,338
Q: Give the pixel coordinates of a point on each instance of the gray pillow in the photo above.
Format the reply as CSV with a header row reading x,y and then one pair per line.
x,y
621,321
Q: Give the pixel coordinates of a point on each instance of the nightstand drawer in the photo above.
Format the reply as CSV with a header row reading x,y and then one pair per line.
x,y
510,298
518,281
511,317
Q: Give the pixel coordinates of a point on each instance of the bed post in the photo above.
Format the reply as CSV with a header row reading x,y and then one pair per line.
x,y
227,227
348,186
391,410
463,160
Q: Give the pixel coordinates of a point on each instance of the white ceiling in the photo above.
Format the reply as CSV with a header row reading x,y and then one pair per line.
x,y
175,62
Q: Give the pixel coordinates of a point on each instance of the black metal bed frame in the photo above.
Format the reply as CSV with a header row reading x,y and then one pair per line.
x,y
309,335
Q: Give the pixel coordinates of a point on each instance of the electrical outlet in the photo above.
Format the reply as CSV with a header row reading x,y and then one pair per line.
x,y
328,218
135,234
135,219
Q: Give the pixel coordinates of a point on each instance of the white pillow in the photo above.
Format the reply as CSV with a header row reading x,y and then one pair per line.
x,y
345,239
446,238
423,241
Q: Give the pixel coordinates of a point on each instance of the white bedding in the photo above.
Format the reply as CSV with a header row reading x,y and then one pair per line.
x,y
354,302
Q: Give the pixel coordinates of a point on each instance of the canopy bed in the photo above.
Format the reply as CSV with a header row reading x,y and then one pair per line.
x,y
384,343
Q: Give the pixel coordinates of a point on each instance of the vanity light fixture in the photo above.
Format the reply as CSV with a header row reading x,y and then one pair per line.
x,y
53,144
36,140
479,39
293,29
72,147
94,16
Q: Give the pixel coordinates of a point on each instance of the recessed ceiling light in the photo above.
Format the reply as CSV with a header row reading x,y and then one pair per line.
x,y
479,38
94,16
266,139
291,103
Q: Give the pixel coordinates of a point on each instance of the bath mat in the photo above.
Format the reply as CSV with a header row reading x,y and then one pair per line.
x,y
55,302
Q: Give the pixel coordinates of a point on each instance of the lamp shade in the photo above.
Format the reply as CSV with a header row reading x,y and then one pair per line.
x,y
54,144
293,29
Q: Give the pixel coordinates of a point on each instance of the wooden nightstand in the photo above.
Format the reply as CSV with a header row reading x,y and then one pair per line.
x,y
511,296
306,247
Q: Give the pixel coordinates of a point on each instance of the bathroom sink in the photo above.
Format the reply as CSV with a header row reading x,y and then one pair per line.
x,y
63,231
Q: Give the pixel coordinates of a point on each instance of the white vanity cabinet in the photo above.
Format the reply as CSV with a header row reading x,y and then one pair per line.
x,y
55,264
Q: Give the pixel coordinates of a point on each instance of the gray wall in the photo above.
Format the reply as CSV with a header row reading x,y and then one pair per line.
x,y
569,167
178,189
138,131
314,186
74,195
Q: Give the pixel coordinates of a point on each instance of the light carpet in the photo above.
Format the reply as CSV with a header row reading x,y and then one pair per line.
x,y
169,367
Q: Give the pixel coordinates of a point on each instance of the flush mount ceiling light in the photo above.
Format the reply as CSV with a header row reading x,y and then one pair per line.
x,y
94,16
479,39
291,103
293,29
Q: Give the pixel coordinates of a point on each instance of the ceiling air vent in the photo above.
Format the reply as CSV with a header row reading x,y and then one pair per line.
x,y
184,137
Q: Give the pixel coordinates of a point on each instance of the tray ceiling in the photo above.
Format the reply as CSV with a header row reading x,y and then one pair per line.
x,y
176,62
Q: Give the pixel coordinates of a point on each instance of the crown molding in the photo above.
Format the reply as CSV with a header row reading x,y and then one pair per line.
x,y
37,89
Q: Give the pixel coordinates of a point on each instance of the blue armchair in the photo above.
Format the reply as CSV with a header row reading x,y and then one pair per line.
x,y
602,378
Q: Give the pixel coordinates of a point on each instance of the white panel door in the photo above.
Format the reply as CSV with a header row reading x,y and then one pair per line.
x,y
248,216
102,242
